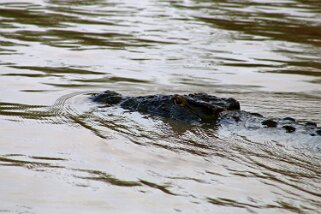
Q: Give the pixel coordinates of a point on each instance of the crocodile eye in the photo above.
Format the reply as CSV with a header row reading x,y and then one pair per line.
x,y
179,100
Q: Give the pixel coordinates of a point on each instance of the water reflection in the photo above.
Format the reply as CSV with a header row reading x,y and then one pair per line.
x,y
33,162
287,21
279,21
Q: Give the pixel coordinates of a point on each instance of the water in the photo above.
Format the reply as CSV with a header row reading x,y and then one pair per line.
x,y
60,153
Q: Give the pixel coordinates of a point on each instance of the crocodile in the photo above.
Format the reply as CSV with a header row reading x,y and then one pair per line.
x,y
204,108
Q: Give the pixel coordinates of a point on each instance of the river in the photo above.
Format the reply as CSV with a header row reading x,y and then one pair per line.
x,y
62,153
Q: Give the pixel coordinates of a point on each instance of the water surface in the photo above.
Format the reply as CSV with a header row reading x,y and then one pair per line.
x,y
59,152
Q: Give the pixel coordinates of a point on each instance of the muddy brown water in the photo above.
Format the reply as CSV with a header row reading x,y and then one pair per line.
x,y
61,153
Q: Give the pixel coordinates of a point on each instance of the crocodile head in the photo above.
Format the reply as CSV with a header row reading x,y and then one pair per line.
x,y
192,107
206,107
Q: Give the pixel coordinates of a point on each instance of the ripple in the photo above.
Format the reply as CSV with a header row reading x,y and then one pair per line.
x,y
15,160
101,176
23,111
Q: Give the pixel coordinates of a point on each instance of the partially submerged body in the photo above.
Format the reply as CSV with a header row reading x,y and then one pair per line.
x,y
204,108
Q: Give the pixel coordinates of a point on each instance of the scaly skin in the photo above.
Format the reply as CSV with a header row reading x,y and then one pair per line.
x,y
203,108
